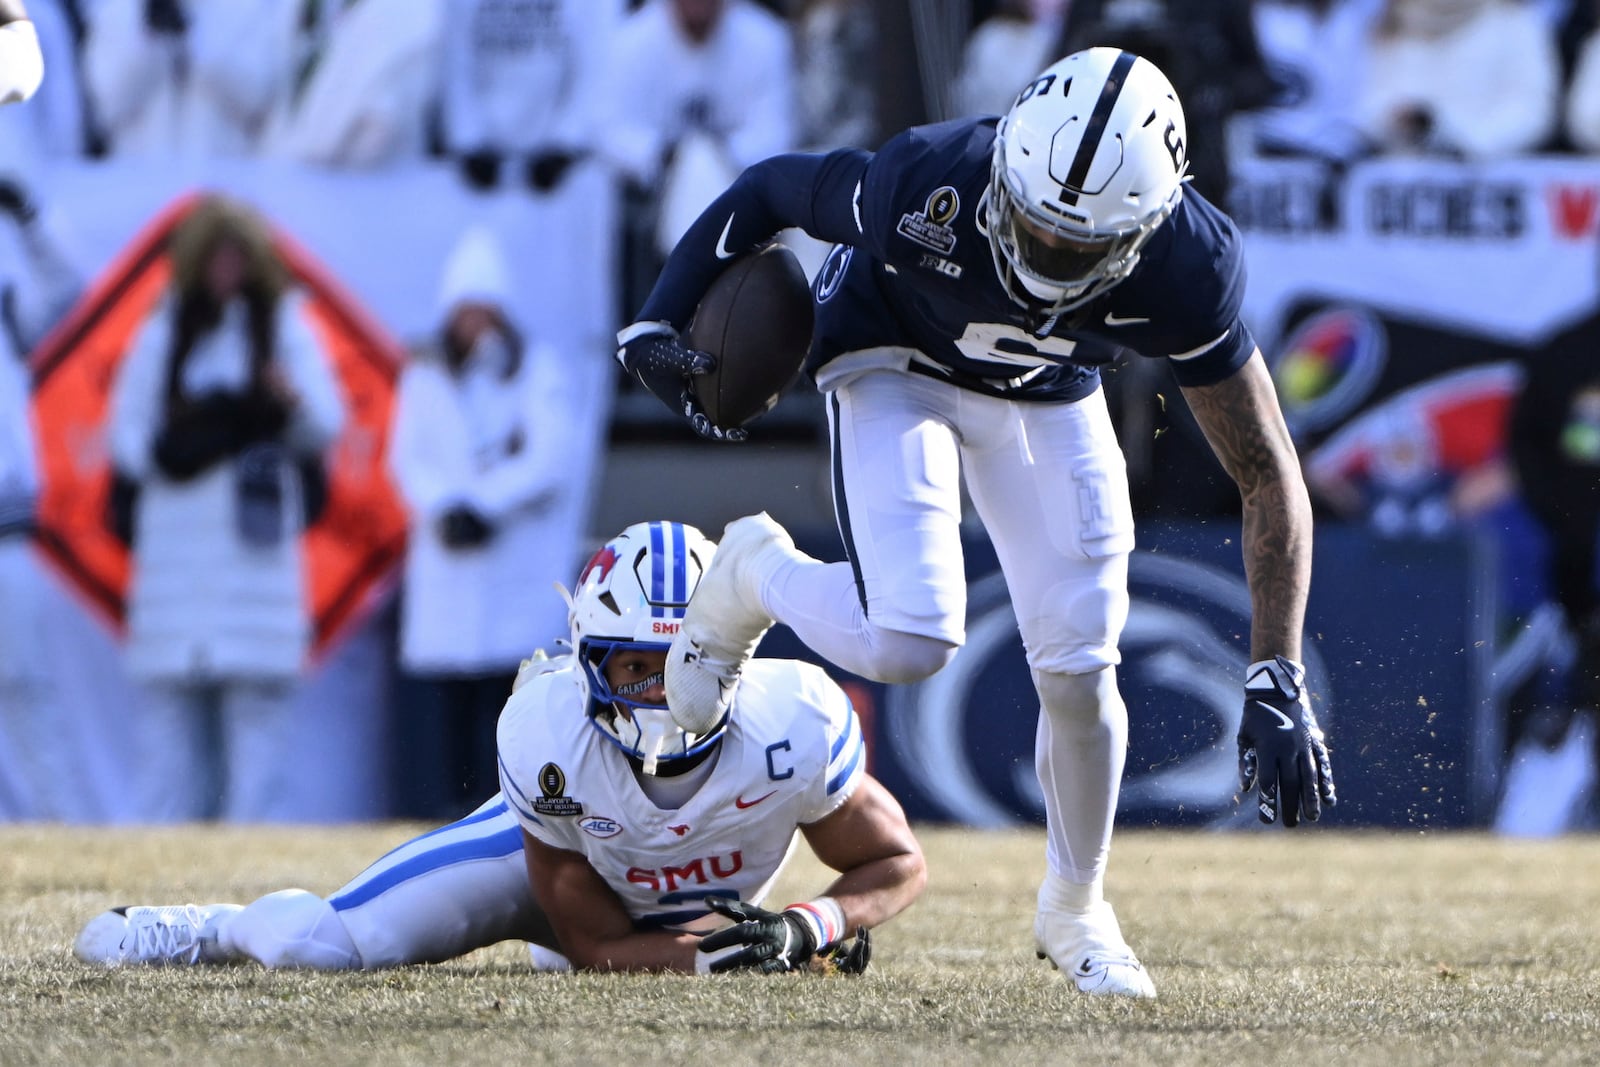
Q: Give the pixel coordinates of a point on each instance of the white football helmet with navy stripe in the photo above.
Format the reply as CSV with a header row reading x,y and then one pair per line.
x,y
632,595
1088,162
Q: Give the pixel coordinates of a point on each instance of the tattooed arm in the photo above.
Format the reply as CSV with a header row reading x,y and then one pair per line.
x,y
1242,420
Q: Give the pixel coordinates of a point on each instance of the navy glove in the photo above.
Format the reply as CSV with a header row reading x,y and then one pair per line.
x,y
652,352
1281,746
16,201
481,168
545,170
165,16
463,527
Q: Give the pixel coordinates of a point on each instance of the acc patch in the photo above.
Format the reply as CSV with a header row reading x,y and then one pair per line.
x,y
553,784
930,227
600,826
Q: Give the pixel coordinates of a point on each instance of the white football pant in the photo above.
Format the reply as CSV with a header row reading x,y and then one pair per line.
x,y
1050,484
439,896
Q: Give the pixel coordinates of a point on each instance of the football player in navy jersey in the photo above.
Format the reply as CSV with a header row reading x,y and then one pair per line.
x,y
618,841
984,270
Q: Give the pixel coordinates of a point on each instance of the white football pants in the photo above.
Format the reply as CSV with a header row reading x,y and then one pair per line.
x,y
1050,484
438,896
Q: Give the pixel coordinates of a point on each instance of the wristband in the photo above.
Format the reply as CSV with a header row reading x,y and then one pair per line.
x,y
823,916
1278,668
647,328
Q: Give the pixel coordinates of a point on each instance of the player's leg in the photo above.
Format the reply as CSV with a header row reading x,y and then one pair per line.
x,y
1062,527
896,611
455,889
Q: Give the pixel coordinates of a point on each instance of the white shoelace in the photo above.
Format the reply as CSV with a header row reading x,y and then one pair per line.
x,y
163,937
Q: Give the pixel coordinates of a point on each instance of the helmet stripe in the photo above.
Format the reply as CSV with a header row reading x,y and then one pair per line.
x,y
658,567
669,570
680,571
1097,126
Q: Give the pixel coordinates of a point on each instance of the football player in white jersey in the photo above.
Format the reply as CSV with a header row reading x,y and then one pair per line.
x,y
21,62
618,840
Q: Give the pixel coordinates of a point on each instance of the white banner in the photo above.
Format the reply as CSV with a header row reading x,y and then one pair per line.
x,y
1510,250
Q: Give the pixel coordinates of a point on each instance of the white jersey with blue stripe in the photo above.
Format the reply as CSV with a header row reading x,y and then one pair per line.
x,y
793,752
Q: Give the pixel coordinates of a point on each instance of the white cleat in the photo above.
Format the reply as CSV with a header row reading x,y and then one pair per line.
x,y
182,934
1090,948
723,623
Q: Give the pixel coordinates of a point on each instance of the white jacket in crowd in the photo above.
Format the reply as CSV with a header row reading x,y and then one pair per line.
x,y
374,70
742,76
204,93
21,62
520,79
1583,97
1487,71
203,604
502,445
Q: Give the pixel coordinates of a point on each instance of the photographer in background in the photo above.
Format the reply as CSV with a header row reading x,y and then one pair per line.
x,y
220,418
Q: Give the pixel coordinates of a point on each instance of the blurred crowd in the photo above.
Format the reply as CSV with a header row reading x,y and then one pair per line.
x,y
225,408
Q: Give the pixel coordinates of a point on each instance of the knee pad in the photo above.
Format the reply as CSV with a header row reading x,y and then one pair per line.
x,y
901,658
1080,698
293,928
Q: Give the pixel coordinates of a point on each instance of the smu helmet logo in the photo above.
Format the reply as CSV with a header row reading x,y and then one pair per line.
x,y
601,561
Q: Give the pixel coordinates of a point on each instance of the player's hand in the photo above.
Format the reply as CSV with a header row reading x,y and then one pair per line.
x,y
16,201
653,348
463,527
849,956
701,423
772,942
545,170
481,168
165,16
1281,747
652,352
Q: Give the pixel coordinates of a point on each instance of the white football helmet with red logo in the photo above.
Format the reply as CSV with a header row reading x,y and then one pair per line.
x,y
1088,162
631,596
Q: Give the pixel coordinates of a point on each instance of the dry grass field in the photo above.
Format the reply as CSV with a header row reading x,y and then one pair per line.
x,y
1270,948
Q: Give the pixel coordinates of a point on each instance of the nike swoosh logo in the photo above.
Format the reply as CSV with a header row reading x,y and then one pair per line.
x,y
741,803
723,251
1284,722
1118,320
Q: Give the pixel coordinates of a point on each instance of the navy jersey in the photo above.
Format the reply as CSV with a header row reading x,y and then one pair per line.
x,y
913,269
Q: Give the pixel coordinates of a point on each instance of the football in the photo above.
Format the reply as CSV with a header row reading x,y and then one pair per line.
x,y
756,319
